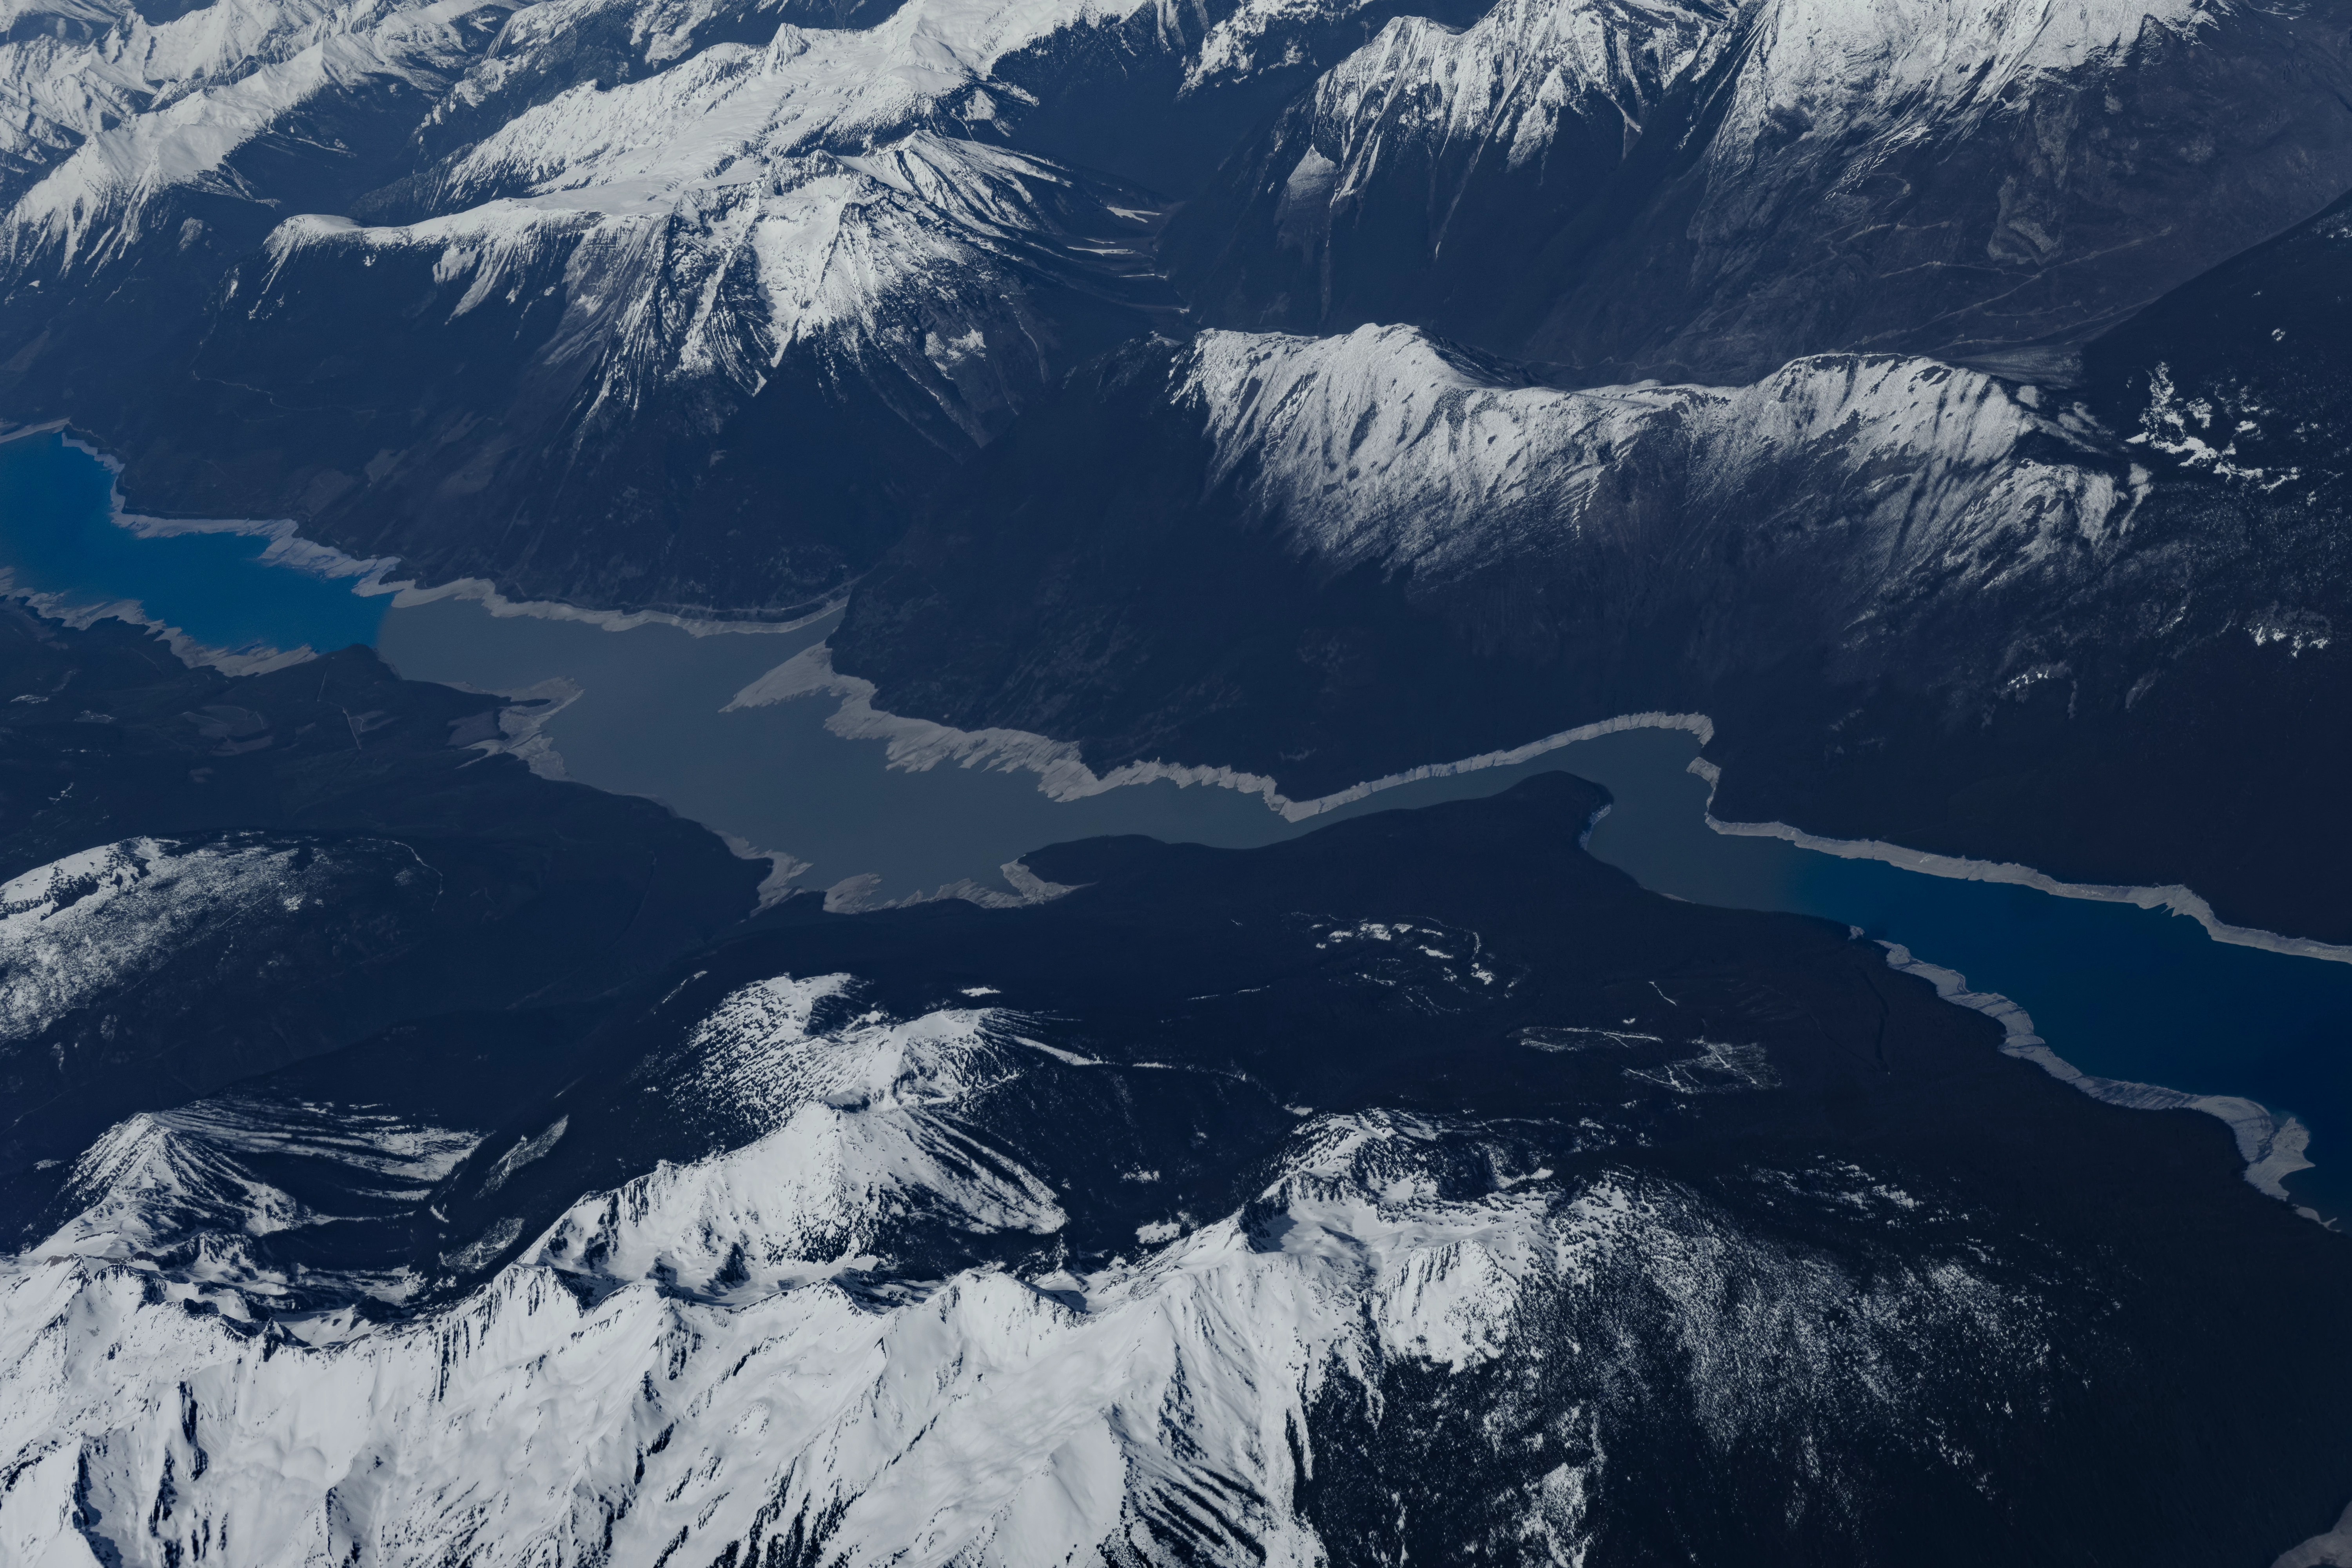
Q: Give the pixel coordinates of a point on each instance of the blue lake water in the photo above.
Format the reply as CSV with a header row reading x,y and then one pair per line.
x,y
2120,992
57,535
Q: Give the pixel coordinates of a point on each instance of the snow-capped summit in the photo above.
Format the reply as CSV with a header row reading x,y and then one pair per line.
x,y
248,1205
762,1053
1385,448
131,134
858,1140
1390,549
1165,1266
154,1179
625,222
1179,1406
655,302
1705,191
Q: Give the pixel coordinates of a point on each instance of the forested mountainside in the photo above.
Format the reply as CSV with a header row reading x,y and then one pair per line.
x,y
1816,366
409,1156
1419,1185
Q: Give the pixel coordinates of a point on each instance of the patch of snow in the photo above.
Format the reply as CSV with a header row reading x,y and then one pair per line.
x,y
1385,448
532,1423
180,1189
103,919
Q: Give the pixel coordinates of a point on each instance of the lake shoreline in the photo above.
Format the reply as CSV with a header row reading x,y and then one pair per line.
x,y
2178,899
289,548
921,744
2273,1145
409,594
82,615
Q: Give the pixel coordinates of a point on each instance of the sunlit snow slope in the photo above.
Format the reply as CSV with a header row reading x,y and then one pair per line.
x,y
1495,1210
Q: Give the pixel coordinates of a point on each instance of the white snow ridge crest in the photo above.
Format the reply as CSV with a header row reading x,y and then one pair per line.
x,y
733,1383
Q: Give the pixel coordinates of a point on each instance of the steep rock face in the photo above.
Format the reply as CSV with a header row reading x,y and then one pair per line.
x,y
1704,192
1428,135
1606,1227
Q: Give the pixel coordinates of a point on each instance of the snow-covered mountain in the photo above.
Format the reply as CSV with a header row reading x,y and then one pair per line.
x,y
617,252
1385,518
630,301
280,865
1123,1262
205,959
1386,449
638,301
111,920
856,1139
1174,1407
1879,574
191,1190
408,1159
1704,192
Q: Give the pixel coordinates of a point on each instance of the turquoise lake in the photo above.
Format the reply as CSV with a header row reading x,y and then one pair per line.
x,y
57,535
2120,992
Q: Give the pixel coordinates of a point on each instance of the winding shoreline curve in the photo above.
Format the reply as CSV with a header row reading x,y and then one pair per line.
x,y
921,744
2272,1148
2178,899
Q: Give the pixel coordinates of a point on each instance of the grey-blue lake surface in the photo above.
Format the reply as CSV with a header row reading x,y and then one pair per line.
x,y
2121,992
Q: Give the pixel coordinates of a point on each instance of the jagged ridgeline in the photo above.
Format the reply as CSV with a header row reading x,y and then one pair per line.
x,y
746,307
407,1157
645,303
652,304
1421,1189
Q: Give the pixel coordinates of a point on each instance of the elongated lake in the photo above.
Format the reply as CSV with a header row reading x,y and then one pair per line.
x,y
2119,991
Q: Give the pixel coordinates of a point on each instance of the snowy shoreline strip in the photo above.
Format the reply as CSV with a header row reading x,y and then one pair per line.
x,y
286,547
917,745
407,596
2179,901
1697,724
2273,1149
289,549
82,614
